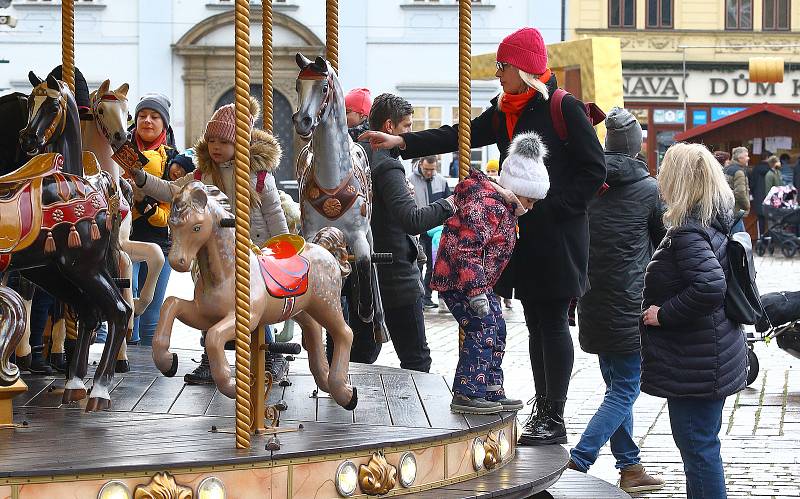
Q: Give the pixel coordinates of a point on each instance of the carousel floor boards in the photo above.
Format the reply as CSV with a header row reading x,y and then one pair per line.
x,y
159,424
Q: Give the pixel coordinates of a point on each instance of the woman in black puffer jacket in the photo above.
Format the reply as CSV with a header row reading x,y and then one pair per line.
x,y
692,354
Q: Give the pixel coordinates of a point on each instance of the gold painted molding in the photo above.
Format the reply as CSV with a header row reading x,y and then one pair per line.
x,y
163,486
377,477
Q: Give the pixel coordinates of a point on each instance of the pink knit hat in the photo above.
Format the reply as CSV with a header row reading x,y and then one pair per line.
x,y
358,100
525,50
222,124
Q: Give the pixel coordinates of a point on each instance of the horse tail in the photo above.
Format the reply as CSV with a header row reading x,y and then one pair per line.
x,y
332,239
12,329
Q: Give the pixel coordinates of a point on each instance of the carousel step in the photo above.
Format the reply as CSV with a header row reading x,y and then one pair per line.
x,y
576,485
533,470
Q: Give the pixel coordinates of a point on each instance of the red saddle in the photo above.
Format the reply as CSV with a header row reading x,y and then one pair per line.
x,y
285,272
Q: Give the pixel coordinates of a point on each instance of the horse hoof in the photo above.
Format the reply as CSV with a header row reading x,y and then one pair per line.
x,y
122,366
353,400
97,404
73,395
174,368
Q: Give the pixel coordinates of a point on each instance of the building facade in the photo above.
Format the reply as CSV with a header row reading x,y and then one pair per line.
x,y
184,49
685,63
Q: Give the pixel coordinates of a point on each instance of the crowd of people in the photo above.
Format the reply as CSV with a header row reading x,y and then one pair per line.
x,y
560,220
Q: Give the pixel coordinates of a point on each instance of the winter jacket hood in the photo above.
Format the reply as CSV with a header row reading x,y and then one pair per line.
x,y
622,169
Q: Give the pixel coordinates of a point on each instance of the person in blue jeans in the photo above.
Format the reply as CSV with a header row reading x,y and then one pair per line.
x,y
693,355
144,326
624,224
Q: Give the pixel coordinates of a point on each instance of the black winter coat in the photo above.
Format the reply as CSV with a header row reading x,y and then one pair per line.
x,y
697,352
552,252
625,226
395,219
757,186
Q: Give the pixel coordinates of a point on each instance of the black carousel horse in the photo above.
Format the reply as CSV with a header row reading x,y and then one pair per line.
x,y
57,229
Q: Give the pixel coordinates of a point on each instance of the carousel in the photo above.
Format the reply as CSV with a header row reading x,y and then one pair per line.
x,y
123,424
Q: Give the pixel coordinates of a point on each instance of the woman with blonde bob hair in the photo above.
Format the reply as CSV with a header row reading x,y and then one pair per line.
x,y
692,354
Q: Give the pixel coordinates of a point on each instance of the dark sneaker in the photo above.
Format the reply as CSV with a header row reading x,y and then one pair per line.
x,y
428,304
510,404
277,365
201,375
635,479
462,404
38,363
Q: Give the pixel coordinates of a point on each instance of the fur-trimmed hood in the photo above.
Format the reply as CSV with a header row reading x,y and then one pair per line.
x,y
265,153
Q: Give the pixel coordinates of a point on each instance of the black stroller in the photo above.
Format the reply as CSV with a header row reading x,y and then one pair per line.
x,y
783,218
782,323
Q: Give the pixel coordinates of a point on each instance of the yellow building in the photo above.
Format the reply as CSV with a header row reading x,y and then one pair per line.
x,y
684,63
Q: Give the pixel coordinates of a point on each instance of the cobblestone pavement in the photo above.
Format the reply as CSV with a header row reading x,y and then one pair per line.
x,y
761,429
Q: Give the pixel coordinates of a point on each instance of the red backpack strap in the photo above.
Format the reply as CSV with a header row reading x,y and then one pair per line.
x,y
198,175
260,181
557,115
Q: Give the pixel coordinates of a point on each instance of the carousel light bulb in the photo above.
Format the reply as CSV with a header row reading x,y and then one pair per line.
x,y
114,490
478,454
505,446
211,488
408,469
346,478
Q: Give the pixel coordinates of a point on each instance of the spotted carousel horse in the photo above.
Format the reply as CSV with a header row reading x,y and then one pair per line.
x,y
335,183
288,279
56,228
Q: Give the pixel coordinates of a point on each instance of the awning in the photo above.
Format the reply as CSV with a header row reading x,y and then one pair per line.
x,y
736,117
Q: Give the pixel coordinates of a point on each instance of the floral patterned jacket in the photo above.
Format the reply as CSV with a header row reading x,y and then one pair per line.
x,y
478,239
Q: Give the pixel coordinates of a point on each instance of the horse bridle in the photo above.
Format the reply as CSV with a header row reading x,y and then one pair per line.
x,y
309,74
95,105
43,90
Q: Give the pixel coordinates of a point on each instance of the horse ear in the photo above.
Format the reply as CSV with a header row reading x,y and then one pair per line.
x,y
103,88
199,198
302,61
52,83
319,61
123,90
35,80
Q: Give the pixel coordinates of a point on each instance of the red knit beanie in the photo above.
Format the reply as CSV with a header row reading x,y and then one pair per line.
x,y
525,50
222,124
358,100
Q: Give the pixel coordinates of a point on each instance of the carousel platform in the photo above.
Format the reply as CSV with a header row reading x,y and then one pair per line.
x,y
158,424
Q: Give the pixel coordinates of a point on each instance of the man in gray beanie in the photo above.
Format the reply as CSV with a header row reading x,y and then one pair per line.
x,y
623,132
624,224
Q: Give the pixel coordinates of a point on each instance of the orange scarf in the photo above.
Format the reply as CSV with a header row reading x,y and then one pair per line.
x,y
160,141
513,104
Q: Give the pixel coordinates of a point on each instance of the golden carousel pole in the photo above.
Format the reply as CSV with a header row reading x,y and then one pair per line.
x,y
242,216
332,33
258,392
464,97
68,76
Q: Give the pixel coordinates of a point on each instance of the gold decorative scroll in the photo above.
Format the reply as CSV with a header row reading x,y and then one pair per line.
x,y
492,447
163,486
377,477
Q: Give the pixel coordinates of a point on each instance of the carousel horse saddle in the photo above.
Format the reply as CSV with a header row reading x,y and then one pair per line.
x,y
21,202
284,270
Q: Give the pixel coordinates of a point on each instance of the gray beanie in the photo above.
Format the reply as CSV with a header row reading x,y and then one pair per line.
x,y
157,102
623,132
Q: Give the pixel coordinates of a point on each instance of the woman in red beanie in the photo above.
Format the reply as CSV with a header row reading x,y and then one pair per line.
x,y
549,263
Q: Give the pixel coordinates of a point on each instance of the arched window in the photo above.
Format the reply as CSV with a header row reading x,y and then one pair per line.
x,y
282,128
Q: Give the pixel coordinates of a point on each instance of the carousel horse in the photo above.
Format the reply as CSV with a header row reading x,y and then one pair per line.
x,y
57,229
12,328
334,179
103,134
288,278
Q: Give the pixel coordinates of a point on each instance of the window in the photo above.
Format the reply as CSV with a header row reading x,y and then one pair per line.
x,y
659,14
621,13
739,14
427,117
776,15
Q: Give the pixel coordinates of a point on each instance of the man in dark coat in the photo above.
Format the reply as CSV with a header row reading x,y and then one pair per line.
x,y
758,192
625,225
549,263
395,220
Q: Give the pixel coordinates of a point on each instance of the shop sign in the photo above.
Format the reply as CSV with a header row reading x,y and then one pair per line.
x,y
699,117
717,113
669,116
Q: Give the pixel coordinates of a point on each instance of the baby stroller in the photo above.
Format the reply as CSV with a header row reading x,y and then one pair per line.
x,y
783,217
781,323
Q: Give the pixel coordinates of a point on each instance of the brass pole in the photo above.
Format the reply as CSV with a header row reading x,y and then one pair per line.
x,y
464,98
242,213
266,63
332,33
68,43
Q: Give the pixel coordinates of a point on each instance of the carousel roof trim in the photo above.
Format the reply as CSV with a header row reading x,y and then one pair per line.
x,y
733,118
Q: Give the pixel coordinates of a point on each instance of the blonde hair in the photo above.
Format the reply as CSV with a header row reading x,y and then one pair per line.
x,y
532,81
693,184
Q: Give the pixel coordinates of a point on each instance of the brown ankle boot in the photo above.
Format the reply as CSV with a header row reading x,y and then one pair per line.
x,y
635,479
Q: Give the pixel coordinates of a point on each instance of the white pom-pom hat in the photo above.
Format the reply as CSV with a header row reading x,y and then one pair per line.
x,y
523,171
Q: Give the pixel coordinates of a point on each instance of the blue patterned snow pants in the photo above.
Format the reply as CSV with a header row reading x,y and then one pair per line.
x,y
479,374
